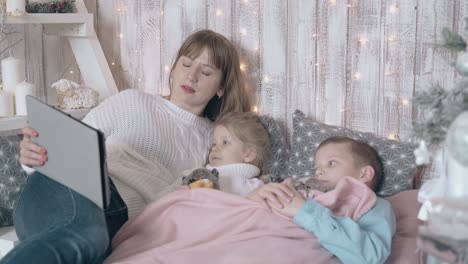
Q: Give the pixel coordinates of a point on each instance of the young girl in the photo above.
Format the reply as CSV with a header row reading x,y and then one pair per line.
x,y
367,240
240,146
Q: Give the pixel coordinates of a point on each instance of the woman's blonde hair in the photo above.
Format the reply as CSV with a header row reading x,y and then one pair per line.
x,y
249,129
224,56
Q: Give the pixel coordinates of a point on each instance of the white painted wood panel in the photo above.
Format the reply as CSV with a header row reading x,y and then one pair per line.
x,y
171,36
396,67
220,17
273,96
332,39
246,34
149,25
298,54
303,54
433,63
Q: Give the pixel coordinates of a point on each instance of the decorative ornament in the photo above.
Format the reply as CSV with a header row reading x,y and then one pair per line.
x,y
71,95
457,139
422,154
41,6
457,160
462,64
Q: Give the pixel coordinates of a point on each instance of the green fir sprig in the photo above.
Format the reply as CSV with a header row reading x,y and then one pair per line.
x,y
453,41
439,107
64,6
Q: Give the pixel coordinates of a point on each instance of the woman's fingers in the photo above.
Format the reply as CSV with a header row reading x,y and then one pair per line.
x,y
31,154
27,131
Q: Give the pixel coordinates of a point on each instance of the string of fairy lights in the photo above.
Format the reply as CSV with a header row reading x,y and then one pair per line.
x,y
362,40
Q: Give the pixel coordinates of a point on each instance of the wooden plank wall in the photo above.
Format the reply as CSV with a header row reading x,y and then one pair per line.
x,y
353,63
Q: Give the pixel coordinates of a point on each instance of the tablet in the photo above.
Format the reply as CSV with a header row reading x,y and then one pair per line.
x,y
76,151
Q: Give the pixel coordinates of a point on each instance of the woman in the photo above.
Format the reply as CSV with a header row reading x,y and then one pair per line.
x,y
57,225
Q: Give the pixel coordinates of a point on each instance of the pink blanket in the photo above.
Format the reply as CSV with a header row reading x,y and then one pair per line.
x,y
209,226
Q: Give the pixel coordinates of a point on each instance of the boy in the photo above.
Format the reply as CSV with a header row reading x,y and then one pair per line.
x,y
367,240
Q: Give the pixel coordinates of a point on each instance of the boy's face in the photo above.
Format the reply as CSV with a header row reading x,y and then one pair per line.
x,y
333,162
227,148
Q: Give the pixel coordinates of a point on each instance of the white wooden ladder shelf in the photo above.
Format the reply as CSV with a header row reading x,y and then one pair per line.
x,y
78,28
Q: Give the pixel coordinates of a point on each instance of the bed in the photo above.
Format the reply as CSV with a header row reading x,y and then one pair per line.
x,y
292,158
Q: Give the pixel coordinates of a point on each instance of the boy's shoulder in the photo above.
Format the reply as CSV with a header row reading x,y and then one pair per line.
x,y
382,205
381,210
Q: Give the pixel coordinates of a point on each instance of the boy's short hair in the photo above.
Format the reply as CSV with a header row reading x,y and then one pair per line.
x,y
364,155
249,129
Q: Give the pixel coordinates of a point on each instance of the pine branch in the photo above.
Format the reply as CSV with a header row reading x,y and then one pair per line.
x,y
453,41
64,6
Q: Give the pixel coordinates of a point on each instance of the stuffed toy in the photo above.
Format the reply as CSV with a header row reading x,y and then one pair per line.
x,y
305,185
202,178
71,95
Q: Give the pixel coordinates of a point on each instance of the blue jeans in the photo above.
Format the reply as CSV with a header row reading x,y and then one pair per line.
x,y
57,225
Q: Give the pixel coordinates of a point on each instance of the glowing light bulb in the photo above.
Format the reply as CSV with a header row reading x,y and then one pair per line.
x,y
243,67
219,12
363,41
357,76
266,79
71,72
394,9
392,38
113,63
166,68
405,101
255,109
392,137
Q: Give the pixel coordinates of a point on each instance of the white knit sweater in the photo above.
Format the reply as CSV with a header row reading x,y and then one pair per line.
x,y
238,178
157,130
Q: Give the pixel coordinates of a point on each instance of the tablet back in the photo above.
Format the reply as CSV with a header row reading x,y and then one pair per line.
x,y
76,151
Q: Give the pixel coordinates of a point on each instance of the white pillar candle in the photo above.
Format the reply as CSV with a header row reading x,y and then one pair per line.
x,y
16,5
12,73
21,91
6,104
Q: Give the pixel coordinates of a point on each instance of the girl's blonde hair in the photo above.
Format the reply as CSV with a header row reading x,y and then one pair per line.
x,y
224,56
248,128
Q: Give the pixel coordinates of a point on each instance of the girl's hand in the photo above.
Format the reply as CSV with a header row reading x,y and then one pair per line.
x,y
272,195
265,178
291,209
31,154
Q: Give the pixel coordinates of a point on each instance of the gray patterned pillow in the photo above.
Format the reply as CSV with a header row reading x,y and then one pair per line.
x,y
397,157
277,164
12,177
